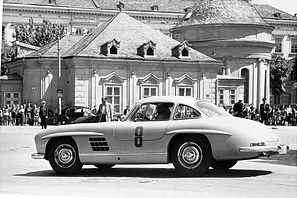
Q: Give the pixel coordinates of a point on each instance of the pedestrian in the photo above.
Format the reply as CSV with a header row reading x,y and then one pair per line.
x,y
21,115
28,114
43,113
264,111
238,108
1,117
105,111
35,114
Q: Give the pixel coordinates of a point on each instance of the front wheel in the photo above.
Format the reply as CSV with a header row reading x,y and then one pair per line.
x,y
191,156
63,157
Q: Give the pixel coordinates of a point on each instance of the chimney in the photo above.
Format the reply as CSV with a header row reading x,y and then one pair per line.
x,y
121,6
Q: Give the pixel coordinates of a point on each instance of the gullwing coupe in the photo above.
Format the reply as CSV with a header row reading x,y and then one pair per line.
x,y
192,134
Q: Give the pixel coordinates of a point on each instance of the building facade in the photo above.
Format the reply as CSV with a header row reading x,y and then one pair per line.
x,y
238,75
122,59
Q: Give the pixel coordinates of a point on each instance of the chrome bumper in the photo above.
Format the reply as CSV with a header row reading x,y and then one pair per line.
x,y
37,156
280,149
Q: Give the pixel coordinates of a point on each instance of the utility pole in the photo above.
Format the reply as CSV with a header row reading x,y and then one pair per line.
x,y
59,90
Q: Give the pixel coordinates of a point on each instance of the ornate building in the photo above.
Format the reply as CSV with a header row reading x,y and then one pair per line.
x,y
248,40
122,59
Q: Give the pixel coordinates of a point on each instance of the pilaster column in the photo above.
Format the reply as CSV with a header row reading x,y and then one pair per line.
x,y
260,80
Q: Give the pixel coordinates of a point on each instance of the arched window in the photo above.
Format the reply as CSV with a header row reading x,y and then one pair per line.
x,y
245,75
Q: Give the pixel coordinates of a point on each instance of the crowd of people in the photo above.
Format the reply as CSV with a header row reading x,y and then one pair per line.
x,y
26,114
266,114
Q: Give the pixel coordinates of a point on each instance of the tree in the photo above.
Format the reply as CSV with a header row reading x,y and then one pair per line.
x,y
39,35
7,54
280,69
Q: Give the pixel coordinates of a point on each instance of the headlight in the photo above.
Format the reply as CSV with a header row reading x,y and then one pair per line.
x,y
257,144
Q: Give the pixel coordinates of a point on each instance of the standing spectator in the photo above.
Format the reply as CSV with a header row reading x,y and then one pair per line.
x,y
7,115
13,115
21,115
43,113
264,111
252,112
1,117
283,115
35,111
289,115
28,114
238,108
294,114
105,111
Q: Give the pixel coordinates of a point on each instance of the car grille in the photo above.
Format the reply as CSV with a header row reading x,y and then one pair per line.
x,y
99,144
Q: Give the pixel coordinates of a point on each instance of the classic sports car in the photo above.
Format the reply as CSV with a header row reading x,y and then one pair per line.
x,y
192,134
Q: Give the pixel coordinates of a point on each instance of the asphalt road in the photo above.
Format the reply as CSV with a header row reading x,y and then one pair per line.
x,y
22,176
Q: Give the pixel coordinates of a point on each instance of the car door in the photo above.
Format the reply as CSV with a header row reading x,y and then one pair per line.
x,y
143,125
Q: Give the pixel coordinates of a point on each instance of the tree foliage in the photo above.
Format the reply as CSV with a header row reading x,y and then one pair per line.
x,y
280,69
7,54
37,35
40,34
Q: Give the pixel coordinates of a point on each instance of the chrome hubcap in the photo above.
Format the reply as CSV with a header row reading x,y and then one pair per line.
x,y
65,156
190,155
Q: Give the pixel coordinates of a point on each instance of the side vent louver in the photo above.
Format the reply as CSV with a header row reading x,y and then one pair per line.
x,y
99,144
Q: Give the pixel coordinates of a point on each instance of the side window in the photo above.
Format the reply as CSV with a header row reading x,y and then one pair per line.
x,y
153,111
144,113
186,112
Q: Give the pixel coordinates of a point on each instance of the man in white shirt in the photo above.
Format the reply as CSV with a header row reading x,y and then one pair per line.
x,y
105,111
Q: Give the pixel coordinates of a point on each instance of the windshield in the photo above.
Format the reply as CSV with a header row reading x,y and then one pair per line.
x,y
211,110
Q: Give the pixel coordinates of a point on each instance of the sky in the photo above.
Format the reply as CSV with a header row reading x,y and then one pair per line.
x,y
289,6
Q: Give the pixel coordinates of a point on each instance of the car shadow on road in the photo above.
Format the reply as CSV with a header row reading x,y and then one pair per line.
x,y
147,173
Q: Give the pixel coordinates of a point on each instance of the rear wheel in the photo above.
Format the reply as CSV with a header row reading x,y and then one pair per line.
x,y
63,157
224,164
191,156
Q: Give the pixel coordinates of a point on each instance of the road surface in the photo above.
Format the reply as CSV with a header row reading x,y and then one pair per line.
x,y
22,176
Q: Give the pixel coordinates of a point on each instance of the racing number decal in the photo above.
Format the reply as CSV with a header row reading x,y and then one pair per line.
x,y
138,136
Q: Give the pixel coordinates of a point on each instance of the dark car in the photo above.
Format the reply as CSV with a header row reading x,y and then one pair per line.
x,y
51,118
70,114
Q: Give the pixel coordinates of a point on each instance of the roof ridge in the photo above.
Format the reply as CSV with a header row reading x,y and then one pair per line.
x,y
93,35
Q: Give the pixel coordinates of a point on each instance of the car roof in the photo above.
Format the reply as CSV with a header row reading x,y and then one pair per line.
x,y
174,99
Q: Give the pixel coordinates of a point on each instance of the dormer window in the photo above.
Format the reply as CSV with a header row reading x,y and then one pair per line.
x,y
155,8
150,51
52,2
185,52
113,50
110,48
277,15
147,49
182,50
